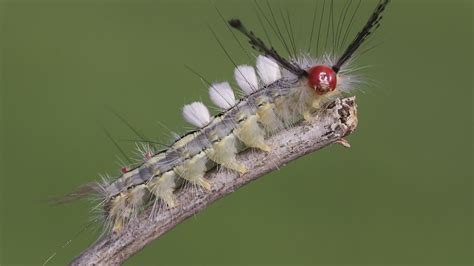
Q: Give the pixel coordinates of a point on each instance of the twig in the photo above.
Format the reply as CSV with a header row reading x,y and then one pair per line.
x,y
339,119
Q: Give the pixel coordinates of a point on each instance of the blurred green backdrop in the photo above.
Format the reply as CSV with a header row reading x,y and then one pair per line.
x,y
403,194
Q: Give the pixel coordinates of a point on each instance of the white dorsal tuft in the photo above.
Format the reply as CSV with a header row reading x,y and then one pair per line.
x,y
221,94
246,78
196,114
268,70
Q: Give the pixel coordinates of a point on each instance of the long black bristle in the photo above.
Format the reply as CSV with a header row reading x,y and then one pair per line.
x,y
260,46
372,24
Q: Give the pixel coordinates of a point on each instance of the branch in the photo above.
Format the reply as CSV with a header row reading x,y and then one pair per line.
x,y
339,119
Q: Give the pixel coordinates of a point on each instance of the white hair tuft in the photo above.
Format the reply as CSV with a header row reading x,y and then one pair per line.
x,y
221,94
268,70
246,78
196,114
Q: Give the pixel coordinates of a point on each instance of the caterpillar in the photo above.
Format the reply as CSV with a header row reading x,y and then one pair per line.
x,y
278,92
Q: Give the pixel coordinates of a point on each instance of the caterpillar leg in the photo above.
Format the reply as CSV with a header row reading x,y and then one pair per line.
x,y
193,170
162,187
223,153
251,134
126,206
318,103
118,225
116,213
307,116
268,117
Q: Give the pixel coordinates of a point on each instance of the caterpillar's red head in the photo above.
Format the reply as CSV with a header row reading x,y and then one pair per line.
x,y
322,79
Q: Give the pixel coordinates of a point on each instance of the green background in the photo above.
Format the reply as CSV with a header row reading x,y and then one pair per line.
x,y
403,194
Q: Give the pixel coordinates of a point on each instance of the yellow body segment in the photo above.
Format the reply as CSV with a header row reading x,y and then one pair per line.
x,y
224,151
268,118
136,198
126,206
251,134
162,187
193,170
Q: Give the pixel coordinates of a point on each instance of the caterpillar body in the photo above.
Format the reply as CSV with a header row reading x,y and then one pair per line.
x,y
277,94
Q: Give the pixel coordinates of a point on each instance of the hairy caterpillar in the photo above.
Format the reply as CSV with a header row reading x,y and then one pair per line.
x,y
279,92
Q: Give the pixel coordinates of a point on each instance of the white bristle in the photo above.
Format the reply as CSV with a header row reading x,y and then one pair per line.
x,y
246,78
221,94
196,114
268,70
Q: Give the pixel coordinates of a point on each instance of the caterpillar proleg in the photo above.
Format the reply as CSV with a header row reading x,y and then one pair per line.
x,y
277,93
